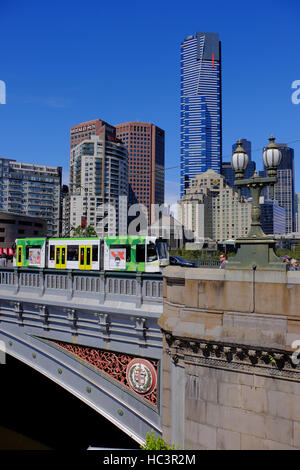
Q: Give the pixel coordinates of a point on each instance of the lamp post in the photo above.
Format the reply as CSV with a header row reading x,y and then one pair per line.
x,y
256,251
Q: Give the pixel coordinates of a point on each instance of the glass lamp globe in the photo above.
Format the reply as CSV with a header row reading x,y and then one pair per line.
x,y
271,155
239,159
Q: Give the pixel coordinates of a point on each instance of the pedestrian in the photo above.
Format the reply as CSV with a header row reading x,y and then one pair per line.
x,y
294,265
223,260
287,261
3,261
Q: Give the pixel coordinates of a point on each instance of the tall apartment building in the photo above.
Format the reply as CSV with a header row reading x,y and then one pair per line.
x,y
86,129
146,162
284,189
228,171
225,217
98,183
31,189
201,110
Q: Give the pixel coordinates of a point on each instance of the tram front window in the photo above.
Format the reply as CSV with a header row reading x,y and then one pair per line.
x,y
162,250
151,252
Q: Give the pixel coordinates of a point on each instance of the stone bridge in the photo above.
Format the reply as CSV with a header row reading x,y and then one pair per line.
x,y
95,334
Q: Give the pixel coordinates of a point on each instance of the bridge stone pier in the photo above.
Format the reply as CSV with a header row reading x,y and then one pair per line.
x,y
95,334
231,374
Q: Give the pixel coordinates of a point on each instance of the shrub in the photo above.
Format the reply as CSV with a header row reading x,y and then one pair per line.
x,y
156,444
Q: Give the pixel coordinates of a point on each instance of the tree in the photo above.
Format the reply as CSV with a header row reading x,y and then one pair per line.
x,y
89,231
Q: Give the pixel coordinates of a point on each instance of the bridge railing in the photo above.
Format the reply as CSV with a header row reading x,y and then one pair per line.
x,y
207,263
115,286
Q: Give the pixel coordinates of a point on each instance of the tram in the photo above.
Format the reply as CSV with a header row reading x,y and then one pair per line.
x,y
128,253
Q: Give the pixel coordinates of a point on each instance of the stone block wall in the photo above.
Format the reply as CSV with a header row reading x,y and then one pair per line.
x,y
229,376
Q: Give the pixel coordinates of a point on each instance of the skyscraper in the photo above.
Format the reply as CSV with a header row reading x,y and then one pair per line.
x,y
228,171
86,129
201,114
146,162
284,189
98,180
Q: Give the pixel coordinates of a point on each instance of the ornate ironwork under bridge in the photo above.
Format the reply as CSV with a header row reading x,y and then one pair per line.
x,y
95,334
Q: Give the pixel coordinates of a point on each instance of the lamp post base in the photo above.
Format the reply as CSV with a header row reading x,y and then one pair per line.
x,y
256,253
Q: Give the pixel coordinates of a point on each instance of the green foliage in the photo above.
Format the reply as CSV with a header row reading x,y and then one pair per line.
x,y
193,255
156,444
292,253
272,359
89,231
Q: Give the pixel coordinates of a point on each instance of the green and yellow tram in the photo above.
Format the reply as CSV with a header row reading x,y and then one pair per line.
x,y
128,253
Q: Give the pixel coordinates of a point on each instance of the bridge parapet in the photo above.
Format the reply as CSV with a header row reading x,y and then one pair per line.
x,y
126,287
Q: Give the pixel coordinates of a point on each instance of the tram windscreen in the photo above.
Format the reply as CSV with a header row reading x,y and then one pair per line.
x,y
151,252
162,250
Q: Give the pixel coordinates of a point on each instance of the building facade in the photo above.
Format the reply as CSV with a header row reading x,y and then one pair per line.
x,y
146,163
212,209
284,189
13,226
272,218
86,129
98,184
31,189
201,110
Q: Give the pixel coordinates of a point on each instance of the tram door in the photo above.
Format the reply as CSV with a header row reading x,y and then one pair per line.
x,y
85,257
19,255
60,257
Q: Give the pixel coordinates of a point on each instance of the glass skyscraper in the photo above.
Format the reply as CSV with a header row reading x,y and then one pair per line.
x,y
201,116
284,189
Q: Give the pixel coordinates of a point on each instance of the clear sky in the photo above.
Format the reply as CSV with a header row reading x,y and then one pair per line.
x,y
65,62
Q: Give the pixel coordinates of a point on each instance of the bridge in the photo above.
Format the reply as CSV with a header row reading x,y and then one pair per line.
x,y
94,334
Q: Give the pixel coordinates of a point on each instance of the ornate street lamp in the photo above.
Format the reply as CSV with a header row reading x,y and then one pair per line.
x,y
256,251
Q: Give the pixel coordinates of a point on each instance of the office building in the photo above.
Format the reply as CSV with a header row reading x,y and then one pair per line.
x,y
146,162
284,189
228,171
13,226
212,209
98,184
201,110
31,189
272,218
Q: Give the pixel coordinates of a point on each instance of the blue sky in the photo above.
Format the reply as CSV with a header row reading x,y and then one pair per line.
x,y
65,62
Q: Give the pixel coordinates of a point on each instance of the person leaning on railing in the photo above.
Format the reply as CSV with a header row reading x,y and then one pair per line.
x,y
294,265
223,260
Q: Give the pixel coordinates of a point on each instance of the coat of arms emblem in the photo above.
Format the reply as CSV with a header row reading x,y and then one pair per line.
x,y
141,376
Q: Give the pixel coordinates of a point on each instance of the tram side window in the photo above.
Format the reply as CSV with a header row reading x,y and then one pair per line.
x,y
140,253
52,252
73,253
95,253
